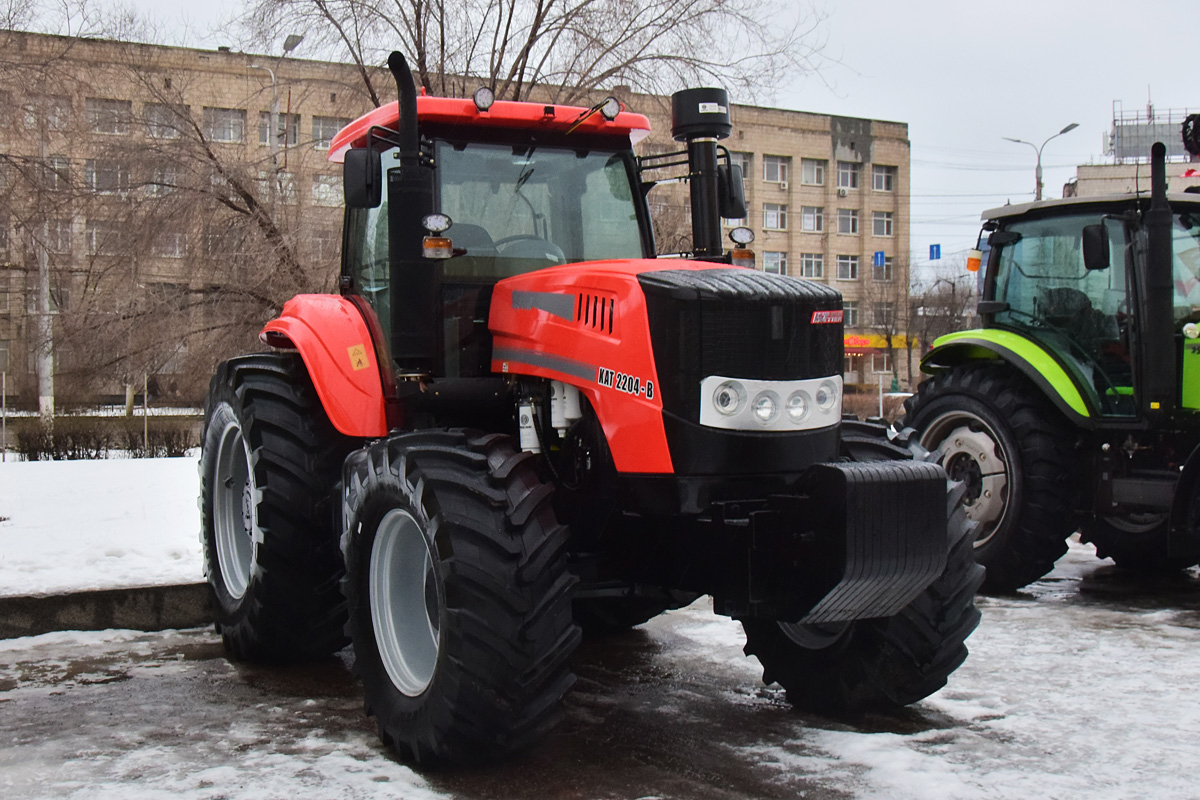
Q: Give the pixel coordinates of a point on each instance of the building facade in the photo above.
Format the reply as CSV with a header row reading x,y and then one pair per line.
x,y
169,200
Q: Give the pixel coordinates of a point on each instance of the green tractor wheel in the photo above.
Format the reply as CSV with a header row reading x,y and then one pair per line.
x,y
1001,437
1134,541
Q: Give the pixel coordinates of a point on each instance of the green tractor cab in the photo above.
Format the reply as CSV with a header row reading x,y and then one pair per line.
x,y
1076,407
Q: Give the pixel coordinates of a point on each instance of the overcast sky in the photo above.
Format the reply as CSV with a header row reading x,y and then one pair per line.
x,y
963,75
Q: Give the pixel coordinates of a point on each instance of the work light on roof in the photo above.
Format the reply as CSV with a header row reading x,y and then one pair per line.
x,y
484,97
610,108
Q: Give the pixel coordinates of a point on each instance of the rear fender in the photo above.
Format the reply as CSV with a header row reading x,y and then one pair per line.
x,y
1031,359
335,342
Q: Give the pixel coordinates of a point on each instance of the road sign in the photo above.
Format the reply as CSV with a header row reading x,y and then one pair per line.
x,y
879,256
935,252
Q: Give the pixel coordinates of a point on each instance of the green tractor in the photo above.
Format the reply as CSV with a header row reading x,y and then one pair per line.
x,y
1076,406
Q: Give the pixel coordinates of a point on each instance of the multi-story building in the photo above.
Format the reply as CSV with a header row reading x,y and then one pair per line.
x,y
171,199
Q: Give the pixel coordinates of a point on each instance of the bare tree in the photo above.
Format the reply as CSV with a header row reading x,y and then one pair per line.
x,y
566,48
941,301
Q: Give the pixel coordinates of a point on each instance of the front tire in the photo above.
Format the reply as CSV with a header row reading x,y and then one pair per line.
x,y
878,664
459,595
268,471
1001,437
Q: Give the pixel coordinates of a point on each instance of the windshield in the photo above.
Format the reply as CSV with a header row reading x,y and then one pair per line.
x,y
1082,316
520,208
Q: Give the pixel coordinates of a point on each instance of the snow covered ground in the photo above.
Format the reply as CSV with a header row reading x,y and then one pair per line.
x,y
67,525
1082,686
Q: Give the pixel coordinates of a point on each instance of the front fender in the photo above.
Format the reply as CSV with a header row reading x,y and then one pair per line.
x,y
333,339
1032,360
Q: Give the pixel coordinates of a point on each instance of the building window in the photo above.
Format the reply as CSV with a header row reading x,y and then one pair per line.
x,y
326,245
881,223
774,217
283,188
883,314
325,128
169,244
4,357
847,268
288,133
881,363
163,181
882,273
812,265
57,173
327,190
775,169
53,112
812,172
108,116
163,121
3,236
847,174
775,262
812,219
58,235
225,124
106,175
848,220
850,313
103,237
883,179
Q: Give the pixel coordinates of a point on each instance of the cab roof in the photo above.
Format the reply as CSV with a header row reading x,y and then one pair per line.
x,y
1189,198
504,114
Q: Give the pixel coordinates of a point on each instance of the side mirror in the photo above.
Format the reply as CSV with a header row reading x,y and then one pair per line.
x,y
361,182
731,193
1095,247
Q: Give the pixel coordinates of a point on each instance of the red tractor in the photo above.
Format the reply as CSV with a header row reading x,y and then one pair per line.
x,y
515,425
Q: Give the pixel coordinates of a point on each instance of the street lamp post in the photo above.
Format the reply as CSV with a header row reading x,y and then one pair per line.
x,y
273,134
1038,150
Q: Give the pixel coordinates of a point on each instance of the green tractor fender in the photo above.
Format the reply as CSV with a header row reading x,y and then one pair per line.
x,y
1032,360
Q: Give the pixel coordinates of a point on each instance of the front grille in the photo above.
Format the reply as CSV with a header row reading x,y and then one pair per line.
x,y
736,323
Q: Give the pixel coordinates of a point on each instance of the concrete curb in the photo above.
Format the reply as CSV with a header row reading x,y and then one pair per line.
x,y
143,608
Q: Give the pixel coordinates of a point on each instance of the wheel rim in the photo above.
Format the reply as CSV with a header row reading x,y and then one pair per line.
x,y
972,453
234,499
404,600
815,636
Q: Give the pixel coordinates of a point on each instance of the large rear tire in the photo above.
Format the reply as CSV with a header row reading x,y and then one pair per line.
x,y
1014,451
1135,542
459,595
268,474
878,664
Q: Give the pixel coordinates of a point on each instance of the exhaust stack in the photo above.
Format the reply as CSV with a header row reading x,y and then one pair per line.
x,y
1160,378
700,117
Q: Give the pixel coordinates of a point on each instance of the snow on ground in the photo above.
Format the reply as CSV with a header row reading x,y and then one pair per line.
x,y
68,525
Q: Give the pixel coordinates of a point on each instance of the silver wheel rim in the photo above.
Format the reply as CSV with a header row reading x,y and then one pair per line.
x,y
814,636
404,602
234,500
971,453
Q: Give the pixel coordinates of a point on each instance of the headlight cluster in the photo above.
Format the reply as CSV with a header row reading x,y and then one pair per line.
x,y
740,404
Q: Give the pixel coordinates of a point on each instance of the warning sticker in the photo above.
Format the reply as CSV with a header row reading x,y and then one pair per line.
x,y
358,357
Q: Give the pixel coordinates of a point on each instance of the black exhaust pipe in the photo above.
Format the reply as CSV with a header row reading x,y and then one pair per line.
x,y
701,118
413,288
1161,360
